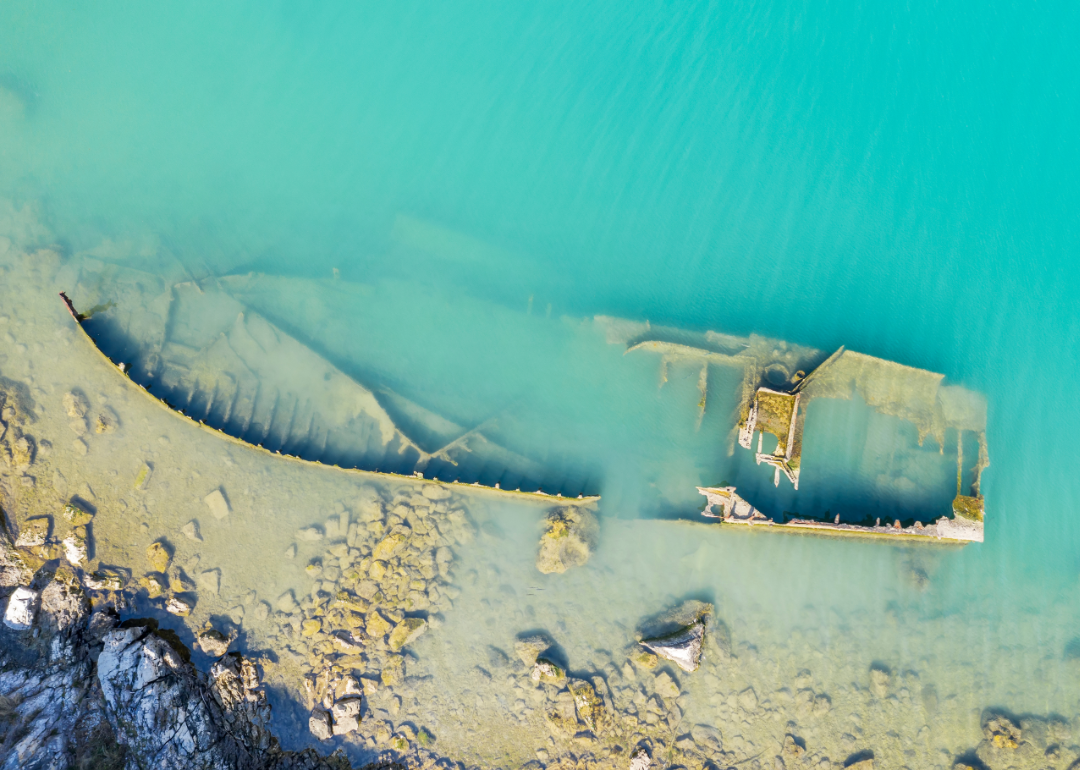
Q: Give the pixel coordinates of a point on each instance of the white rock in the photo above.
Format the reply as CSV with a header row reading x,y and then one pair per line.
x,y
640,760
21,609
176,606
319,724
74,550
346,716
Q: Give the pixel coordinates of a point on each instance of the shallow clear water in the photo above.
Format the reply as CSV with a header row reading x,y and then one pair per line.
x,y
449,195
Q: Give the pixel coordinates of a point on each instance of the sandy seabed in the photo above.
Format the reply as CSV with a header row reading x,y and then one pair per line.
x,y
317,570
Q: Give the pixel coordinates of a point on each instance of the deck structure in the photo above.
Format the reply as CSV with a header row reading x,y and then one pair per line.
x,y
779,382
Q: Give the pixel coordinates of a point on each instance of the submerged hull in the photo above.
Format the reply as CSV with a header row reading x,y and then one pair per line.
x,y
363,416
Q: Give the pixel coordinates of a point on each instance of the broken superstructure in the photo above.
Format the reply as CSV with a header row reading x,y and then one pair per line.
x,y
780,381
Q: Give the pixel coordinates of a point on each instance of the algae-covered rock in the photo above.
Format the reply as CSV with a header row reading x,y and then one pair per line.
x,y
545,671
158,556
678,635
76,515
644,658
376,625
105,579
568,541
64,603
681,647
153,585
590,707
405,632
1002,732
390,544
310,627
14,568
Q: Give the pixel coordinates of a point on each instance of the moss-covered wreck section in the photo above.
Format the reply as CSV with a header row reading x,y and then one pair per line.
x,y
780,381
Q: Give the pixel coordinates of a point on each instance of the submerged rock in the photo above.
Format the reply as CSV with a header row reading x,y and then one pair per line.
x,y
75,547
590,707
158,556
34,532
681,647
346,715
76,515
665,686
880,679
405,632
1002,732
213,643
153,585
640,760
178,607
569,540
218,505
191,531
528,648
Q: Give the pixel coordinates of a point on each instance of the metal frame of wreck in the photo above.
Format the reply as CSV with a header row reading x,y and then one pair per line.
x,y
753,358
539,496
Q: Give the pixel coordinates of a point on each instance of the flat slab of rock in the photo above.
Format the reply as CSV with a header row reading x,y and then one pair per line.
x,y
218,505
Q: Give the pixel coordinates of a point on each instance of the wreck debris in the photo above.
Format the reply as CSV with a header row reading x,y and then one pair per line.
x,y
248,380
781,380
735,510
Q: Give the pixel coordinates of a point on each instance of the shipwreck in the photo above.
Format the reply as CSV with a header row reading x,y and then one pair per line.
x,y
779,383
196,349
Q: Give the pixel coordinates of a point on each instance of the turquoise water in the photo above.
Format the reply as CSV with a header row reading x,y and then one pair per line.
x,y
897,180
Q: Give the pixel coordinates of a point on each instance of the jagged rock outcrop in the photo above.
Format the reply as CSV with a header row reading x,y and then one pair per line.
x,y
78,689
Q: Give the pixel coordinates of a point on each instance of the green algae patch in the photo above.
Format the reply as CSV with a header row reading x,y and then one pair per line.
x,y
970,508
